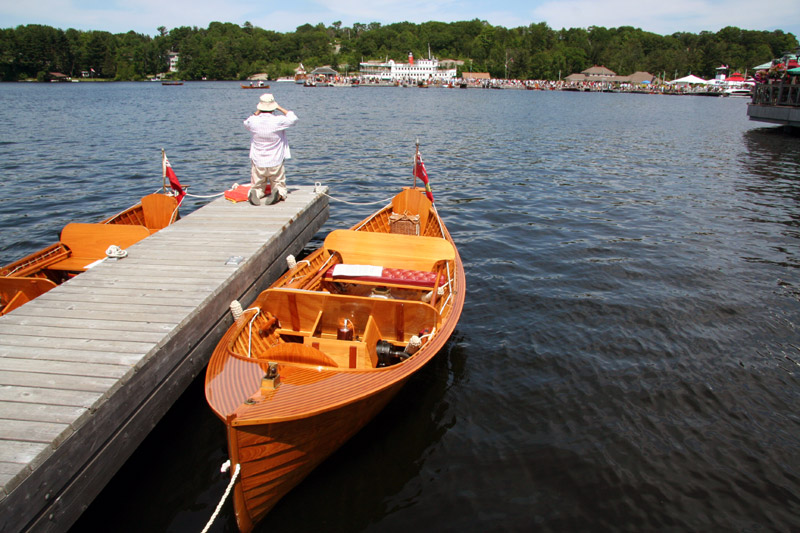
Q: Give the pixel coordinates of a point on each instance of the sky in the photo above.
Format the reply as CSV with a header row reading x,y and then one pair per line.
x,y
663,17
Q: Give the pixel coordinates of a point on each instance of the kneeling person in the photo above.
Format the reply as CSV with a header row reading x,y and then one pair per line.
x,y
268,149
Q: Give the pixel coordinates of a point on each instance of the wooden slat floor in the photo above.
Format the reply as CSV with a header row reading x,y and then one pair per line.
x,y
88,369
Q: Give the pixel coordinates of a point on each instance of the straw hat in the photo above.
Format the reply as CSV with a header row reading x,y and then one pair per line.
x,y
267,103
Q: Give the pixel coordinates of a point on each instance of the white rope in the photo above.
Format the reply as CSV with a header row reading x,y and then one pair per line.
x,y
206,196
355,203
186,193
236,309
250,330
115,252
224,496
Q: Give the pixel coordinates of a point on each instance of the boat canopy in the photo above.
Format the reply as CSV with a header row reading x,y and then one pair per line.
x,y
690,79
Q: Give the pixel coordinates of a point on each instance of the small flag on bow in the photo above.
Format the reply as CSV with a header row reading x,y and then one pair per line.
x,y
170,175
421,173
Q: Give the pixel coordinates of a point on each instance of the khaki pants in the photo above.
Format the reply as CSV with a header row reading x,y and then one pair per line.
x,y
275,175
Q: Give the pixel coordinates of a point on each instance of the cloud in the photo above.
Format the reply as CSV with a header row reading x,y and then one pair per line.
x,y
669,17
663,17
288,21
387,10
418,11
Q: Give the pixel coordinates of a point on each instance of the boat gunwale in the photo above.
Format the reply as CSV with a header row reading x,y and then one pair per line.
x,y
247,415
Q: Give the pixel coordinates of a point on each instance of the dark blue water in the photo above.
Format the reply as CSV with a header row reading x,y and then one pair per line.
x,y
628,355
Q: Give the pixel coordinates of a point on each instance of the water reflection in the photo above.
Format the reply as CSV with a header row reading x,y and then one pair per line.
x,y
774,156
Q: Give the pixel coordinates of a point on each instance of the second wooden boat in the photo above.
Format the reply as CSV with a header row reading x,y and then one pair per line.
x,y
322,351
81,245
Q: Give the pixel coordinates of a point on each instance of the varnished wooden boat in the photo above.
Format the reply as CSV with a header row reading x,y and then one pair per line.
x,y
255,86
321,352
79,246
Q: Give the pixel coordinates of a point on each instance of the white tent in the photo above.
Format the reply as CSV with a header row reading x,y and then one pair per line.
x,y
687,80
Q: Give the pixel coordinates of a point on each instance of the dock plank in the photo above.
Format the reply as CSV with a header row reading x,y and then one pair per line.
x,y
37,395
163,297
75,303
100,345
98,321
35,431
22,453
44,380
57,353
135,332
87,331
56,310
10,364
8,471
62,414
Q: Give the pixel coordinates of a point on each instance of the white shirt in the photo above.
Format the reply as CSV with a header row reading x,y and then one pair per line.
x,y
268,145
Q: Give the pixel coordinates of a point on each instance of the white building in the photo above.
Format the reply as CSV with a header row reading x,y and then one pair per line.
x,y
420,70
173,61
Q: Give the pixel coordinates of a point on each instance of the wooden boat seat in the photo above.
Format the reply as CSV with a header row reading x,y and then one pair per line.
x,y
159,211
88,242
380,276
15,291
311,314
312,319
389,250
297,353
412,202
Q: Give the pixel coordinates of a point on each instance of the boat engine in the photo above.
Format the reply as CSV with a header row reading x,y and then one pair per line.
x,y
389,354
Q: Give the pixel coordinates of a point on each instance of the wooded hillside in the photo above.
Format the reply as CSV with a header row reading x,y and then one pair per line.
x,y
230,51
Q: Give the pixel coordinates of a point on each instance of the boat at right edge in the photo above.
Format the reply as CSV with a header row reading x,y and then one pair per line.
x,y
330,343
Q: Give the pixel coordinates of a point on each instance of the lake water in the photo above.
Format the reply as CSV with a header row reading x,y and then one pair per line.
x,y
628,355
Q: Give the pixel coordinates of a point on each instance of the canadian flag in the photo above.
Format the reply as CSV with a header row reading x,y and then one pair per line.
x,y
421,173
173,179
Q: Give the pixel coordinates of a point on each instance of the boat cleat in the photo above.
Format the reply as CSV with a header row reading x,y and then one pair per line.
x,y
271,380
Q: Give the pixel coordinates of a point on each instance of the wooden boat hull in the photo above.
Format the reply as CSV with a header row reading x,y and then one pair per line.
x,y
293,381
274,458
79,246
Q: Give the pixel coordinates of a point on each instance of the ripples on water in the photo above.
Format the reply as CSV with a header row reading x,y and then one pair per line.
x,y
628,355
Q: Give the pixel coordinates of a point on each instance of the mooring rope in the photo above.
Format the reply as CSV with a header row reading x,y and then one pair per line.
x,y
356,203
250,329
317,186
225,467
205,196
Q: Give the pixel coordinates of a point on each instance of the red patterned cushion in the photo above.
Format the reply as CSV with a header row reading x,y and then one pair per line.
x,y
393,276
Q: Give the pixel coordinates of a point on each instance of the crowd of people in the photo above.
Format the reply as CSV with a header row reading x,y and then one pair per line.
x,y
654,87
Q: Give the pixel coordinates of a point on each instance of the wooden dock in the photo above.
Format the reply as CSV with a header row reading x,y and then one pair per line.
x,y
89,368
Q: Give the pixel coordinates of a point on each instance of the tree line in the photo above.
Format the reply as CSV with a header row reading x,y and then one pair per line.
x,y
226,51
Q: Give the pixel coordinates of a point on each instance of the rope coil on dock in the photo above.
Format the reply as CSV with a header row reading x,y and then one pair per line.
x,y
115,252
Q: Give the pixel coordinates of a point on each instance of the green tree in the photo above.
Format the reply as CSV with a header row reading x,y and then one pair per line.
x,y
228,51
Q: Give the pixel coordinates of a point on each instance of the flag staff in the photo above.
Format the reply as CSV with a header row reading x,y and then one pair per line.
x,y
416,158
163,171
